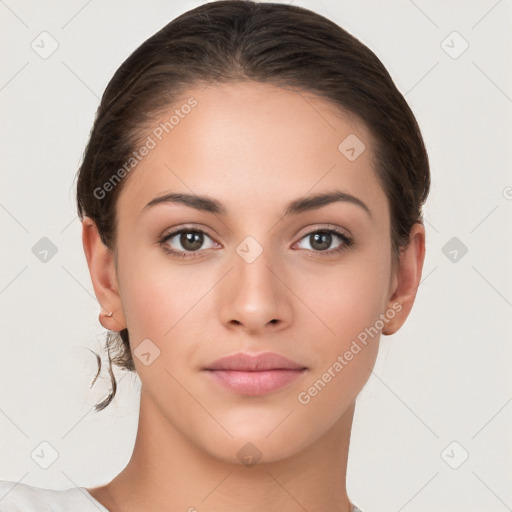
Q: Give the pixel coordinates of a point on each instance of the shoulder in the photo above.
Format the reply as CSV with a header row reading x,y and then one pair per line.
x,y
18,497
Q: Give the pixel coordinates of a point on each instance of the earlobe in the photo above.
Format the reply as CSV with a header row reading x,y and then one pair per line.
x,y
104,277
407,280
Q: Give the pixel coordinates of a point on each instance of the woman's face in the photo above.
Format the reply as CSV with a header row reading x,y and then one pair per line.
x,y
253,277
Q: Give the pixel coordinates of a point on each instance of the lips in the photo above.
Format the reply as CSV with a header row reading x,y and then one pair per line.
x,y
254,375
261,362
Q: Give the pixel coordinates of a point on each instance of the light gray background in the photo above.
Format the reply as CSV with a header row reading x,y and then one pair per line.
x,y
445,376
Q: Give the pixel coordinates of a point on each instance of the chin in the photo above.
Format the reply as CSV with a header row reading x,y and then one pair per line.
x,y
260,442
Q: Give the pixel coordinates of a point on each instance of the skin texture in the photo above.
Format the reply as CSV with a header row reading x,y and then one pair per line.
x,y
254,148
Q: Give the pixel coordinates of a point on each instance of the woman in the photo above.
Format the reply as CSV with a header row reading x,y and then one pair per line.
x,y
251,199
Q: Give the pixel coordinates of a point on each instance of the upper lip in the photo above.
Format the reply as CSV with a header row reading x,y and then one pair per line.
x,y
254,363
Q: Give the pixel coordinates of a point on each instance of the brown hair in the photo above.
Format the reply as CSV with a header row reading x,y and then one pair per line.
x,y
238,40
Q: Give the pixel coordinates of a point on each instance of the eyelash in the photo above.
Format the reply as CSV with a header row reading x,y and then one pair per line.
x,y
347,242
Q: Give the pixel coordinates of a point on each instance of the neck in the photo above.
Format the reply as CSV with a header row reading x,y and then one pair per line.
x,y
167,472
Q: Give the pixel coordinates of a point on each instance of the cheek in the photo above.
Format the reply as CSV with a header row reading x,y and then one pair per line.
x,y
350,306
349,345
349,302
347,298
154,293
164,302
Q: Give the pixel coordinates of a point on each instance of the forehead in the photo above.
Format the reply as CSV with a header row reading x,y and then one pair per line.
x,y
253,146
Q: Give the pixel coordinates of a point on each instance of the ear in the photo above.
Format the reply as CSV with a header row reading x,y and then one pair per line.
x,y
406,279
104,276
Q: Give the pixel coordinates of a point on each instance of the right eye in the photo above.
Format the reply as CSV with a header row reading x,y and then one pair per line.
x,y
190,240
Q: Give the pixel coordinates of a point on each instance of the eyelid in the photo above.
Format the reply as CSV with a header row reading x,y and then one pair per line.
x,y
178,229
313,228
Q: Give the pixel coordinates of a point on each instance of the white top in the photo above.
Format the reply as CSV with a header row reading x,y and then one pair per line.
x,y
18,497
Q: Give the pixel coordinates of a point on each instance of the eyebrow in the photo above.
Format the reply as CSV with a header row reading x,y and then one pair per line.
x,y
303,204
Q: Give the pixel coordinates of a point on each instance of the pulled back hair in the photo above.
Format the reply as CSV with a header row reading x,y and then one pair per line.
x,y
231,41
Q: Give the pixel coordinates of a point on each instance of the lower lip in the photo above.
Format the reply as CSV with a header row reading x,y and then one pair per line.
x,y
255,383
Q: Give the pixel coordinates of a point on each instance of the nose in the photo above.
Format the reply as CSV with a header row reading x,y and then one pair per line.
x,y
254,297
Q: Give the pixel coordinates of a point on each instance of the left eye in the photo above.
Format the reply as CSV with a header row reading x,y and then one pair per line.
x,y
319,241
